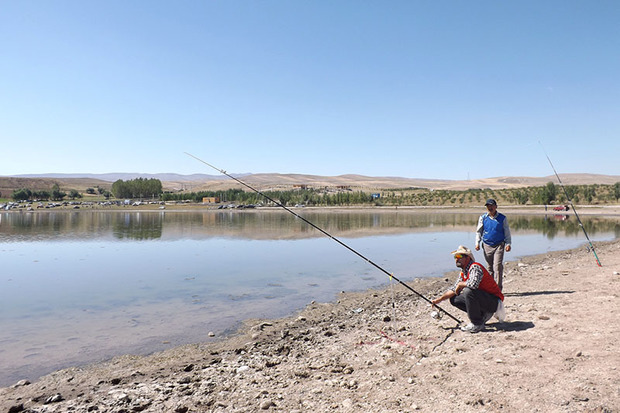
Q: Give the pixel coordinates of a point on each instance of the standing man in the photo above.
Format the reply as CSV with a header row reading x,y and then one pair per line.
x,y
494,232
474,292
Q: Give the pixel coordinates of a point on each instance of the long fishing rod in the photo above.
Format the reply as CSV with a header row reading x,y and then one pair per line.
x,y
572,207
392,277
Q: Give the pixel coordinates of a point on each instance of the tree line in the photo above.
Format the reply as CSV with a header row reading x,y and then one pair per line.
x,y
55,194
549,194
137,188
134,188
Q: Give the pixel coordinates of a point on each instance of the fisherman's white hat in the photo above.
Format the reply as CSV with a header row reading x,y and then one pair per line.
x,y
462,250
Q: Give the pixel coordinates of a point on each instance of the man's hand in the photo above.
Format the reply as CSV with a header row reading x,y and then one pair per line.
x,y
508,248
477,247
459,287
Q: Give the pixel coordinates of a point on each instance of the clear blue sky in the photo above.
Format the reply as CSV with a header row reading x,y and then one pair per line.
x,y
419,89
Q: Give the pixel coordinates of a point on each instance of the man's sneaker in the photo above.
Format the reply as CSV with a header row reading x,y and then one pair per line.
x,y
472,328
500,313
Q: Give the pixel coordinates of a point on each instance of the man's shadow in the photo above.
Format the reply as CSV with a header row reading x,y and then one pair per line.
x,y
501,326
509,326
521,325
530,293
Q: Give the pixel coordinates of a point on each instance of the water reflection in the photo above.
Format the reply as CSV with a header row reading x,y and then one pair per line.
x,y
267,225
138,226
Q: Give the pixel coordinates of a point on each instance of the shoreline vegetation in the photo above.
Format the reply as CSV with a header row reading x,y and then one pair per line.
x,y
603,210
39,194
379,350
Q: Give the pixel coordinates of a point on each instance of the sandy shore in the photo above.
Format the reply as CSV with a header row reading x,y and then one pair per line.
x,y
381,351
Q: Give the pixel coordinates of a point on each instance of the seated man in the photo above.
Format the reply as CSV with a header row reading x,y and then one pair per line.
x,y
475,292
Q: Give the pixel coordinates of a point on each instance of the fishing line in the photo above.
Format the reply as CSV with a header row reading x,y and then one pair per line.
x,y
326,234
572,206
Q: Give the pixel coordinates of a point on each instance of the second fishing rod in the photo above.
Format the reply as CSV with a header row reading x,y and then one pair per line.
x,y
326,234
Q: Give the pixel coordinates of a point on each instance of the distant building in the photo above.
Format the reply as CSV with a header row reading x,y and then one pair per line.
x,y
210,200
300,186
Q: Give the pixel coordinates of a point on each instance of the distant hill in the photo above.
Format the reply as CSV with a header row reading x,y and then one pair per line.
x,y
273,181
126,176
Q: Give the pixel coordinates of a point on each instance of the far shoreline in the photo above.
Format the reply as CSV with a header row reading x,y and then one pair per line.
x,y
590,210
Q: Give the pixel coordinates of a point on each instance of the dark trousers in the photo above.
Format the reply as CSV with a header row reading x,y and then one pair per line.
x,y
476,303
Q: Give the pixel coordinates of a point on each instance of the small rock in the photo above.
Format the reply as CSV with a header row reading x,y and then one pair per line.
x,y
211,334
616,273
54,399
185,380
16,409
119,396
265,405
387,319
21,383
242,369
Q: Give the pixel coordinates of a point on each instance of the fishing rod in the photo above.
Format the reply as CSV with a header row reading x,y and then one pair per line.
x,y
572,207
392,277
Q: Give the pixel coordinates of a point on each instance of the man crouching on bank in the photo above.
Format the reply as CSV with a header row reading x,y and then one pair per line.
x,y
475,292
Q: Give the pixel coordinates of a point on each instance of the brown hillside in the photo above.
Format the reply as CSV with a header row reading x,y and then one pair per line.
x,y
9,184
359,182
273,181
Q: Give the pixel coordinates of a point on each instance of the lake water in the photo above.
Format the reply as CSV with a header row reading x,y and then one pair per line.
x,y
83,286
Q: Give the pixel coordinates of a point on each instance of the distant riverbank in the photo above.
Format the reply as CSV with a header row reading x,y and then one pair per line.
x,y
177,207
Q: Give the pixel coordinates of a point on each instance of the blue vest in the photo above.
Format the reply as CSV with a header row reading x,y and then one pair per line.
x,y
493,229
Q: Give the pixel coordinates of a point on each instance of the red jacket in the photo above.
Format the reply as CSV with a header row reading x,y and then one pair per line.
x,y
487,283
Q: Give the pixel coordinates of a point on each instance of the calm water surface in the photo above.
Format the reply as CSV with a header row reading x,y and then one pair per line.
x,y
83,286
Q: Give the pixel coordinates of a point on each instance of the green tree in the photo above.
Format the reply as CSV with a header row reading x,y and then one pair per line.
x,y
545,195
74,193
589,193
57,194
521,196
137,188
22,194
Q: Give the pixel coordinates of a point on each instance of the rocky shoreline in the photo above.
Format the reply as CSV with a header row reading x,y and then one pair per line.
x,y
381,351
